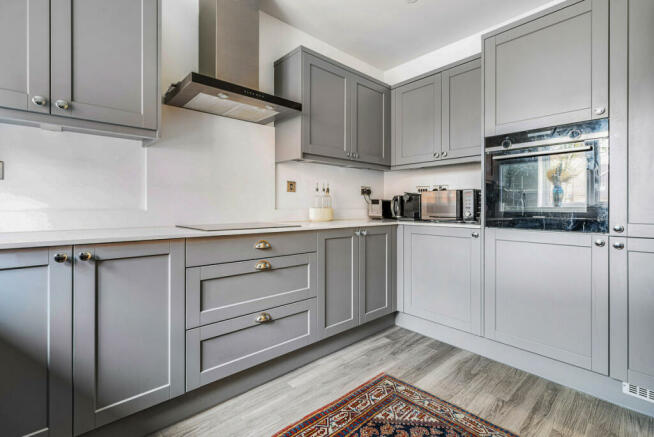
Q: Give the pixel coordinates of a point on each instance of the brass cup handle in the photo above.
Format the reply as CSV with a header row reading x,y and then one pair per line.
x,y
263,318
600,243
84,256
618,245
262,265
262,245
62,104
40,101
475,235
61,257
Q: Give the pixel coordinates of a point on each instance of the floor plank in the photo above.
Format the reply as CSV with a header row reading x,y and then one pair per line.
x,y
510,398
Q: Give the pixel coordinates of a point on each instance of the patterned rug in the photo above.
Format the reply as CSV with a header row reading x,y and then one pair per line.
x,y
385,407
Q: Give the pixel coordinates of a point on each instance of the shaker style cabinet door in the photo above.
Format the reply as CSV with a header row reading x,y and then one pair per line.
x,y
326,108
442,276
462,110
338,281
371,136
548,293
105,61
376,274
35,342
25,54
417,121
549,71
128,319
632,305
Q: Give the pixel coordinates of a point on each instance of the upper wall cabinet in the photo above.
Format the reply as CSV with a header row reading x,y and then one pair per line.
x,y
345,115
437,117
85,65
548,69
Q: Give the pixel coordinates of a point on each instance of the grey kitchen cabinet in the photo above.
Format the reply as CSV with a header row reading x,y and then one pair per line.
x,y
36,342
128,329
221,349
632,103
376,272
437,116
632,304
548,293
25,51
417,121
345,116
548,69
338,281
442,275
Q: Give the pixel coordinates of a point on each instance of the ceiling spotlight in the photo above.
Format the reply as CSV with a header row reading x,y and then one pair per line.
x,y
223,96
411,1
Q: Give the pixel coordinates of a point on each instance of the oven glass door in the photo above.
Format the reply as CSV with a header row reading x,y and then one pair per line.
x,y
561,187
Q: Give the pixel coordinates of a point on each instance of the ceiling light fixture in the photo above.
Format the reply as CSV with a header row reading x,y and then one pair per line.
x,y
223,96
411,1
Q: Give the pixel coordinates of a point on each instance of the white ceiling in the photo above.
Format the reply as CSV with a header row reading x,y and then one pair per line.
x,y
387,33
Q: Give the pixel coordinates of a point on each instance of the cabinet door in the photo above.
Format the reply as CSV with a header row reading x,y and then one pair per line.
x,y
338,281
417,121
462,110
376,252
371,139
632,306
25,51
35,343
105,61
547,292
442,276
549,71
128,318
325,108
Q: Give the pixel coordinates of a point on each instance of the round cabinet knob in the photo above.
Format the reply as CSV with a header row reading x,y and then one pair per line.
x,y
618,228
600,110
263,318
357,233
437,155
600,243
262,265
61,257
506,142
348,154
475,235
39,101
84,256
262,245
444,154
364,233
62,104
618,245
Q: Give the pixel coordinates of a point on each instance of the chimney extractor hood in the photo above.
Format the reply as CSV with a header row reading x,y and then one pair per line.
x,y
229,67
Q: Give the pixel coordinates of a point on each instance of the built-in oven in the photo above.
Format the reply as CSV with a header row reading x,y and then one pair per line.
x,y
549,179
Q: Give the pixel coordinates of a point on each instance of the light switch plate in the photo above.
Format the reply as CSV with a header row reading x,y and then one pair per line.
x,y
290,186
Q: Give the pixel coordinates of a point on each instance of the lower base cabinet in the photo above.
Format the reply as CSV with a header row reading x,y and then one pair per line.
x,y
547,293
128,318
36,342
632,307
442,276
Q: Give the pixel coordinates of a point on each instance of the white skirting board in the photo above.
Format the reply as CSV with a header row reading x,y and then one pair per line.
x,y
594,384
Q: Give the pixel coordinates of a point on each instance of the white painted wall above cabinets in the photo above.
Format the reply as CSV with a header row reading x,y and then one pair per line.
x,y
455,177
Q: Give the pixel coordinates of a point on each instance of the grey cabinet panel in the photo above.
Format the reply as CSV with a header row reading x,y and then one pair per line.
x,y
204,251
218,292
105,61
128,329
338,281
371,137
632,305
529,82
547,292
35,343
376,252
417,120
326,104
442,276
462,110
25,51
222,349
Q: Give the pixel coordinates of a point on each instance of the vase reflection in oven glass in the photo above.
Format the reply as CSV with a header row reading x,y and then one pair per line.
x,y
551,179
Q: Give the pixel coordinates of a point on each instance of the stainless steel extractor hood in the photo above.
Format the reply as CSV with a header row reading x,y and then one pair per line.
x,y
229,67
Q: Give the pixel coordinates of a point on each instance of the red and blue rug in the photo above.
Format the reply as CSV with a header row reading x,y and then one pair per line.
x,y
388,407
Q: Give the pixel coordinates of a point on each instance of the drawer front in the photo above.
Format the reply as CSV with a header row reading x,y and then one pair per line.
x,y
224,291
205,251
224,348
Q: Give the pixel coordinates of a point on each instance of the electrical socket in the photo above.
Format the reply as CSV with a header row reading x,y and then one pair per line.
x,y
366,191
290,186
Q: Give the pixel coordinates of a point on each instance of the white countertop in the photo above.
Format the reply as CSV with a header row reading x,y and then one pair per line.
x,y
16,240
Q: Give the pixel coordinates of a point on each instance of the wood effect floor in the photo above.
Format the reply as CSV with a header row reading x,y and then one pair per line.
x,y
523,403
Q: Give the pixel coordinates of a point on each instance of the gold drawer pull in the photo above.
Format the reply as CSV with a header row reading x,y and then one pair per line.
x,y
263,318
263,265
262,245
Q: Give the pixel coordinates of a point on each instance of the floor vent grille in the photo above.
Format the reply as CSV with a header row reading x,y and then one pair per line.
x,y
639,392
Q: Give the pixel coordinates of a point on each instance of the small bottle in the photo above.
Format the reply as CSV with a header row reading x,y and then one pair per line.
x,y
317,198
323,197
328,198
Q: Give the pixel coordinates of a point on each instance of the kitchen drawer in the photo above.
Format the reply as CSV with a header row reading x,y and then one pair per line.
x,y
224,348
205,251
223,291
